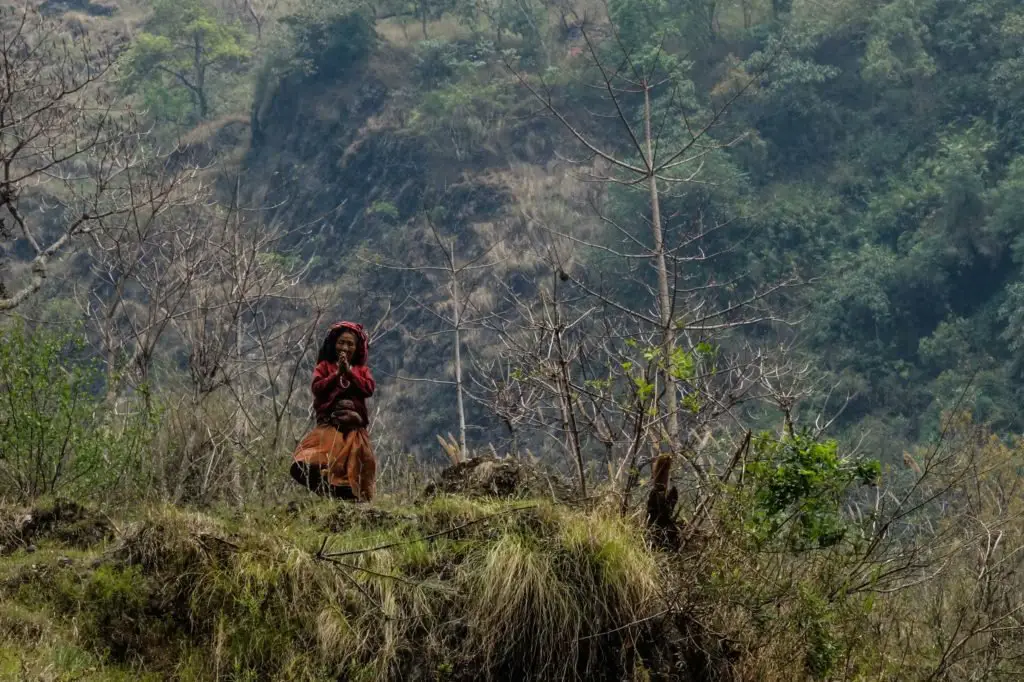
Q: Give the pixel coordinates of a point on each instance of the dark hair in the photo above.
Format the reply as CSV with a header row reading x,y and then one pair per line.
x,y
329,348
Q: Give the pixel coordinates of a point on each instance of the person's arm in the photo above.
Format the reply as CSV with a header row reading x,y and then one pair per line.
x,y
325,378
362,380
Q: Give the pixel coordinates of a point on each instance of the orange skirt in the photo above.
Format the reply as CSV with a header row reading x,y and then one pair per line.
x,y
343,459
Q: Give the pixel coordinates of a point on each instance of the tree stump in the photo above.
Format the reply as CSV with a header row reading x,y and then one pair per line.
x,y
661,505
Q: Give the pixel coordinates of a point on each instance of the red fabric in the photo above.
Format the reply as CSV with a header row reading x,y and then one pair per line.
x,y
329,386
342,459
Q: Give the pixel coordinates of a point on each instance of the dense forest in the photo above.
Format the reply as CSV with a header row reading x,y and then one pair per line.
x,y
860,156
757,262
864,150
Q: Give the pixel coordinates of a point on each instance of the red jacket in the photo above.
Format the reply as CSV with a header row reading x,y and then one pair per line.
x,y
329,386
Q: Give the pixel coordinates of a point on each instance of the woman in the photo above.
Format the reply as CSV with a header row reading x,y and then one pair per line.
x,y
336,458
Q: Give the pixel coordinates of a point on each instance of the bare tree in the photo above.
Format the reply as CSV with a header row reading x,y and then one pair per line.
x,y
665,298
69,158
654,156
212,287
256,11
503,389
542,338
456,311
144,265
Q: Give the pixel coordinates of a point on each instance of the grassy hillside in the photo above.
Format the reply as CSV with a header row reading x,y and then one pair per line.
x,y
745,273
505,588
458,588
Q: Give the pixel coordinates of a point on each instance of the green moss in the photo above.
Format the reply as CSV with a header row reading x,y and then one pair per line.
x,y
246,597
61,659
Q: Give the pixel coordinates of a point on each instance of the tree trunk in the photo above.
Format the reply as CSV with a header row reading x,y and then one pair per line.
x,y
113,383
668,341
204,107
458,361
241,423
568,407
241,419
661,504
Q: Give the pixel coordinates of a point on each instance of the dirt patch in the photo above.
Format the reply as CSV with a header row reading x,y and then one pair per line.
x,y
208,142
349,516
64,521
493,477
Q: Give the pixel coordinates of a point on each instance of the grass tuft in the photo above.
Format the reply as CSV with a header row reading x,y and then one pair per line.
x,y
521,610
488,587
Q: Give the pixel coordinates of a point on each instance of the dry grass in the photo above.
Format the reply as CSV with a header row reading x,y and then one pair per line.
x,y
458,588
515,591
408,33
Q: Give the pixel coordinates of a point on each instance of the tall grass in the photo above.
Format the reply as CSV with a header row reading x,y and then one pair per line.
x,y
928,586
516,593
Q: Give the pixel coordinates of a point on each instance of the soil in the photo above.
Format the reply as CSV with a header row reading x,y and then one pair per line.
x,y
503,478
63,521
349,516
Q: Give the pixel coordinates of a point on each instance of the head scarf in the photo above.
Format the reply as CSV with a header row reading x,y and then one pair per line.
x,y
330,353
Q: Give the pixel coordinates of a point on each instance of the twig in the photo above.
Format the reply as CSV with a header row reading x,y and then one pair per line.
x,y
369,571
626,626
228,543
369,597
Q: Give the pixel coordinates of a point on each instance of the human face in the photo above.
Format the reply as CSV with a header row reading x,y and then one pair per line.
x,y
346,345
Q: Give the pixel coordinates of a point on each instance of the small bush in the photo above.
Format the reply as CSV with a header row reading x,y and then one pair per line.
x,y
54,437
798,486
117,599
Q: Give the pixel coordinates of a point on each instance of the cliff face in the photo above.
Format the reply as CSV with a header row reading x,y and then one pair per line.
x,y
320,146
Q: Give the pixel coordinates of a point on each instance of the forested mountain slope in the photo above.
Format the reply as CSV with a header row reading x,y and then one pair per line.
x,y
866,154
880,157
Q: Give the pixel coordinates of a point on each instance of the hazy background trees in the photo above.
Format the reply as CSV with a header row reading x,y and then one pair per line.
x,y
869,153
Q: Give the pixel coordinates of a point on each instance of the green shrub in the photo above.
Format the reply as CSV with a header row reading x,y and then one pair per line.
x,y
799,485
54,437
329,37
116,599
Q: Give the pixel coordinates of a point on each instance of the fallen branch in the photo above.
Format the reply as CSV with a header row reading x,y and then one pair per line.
x,y
626,626
378,574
